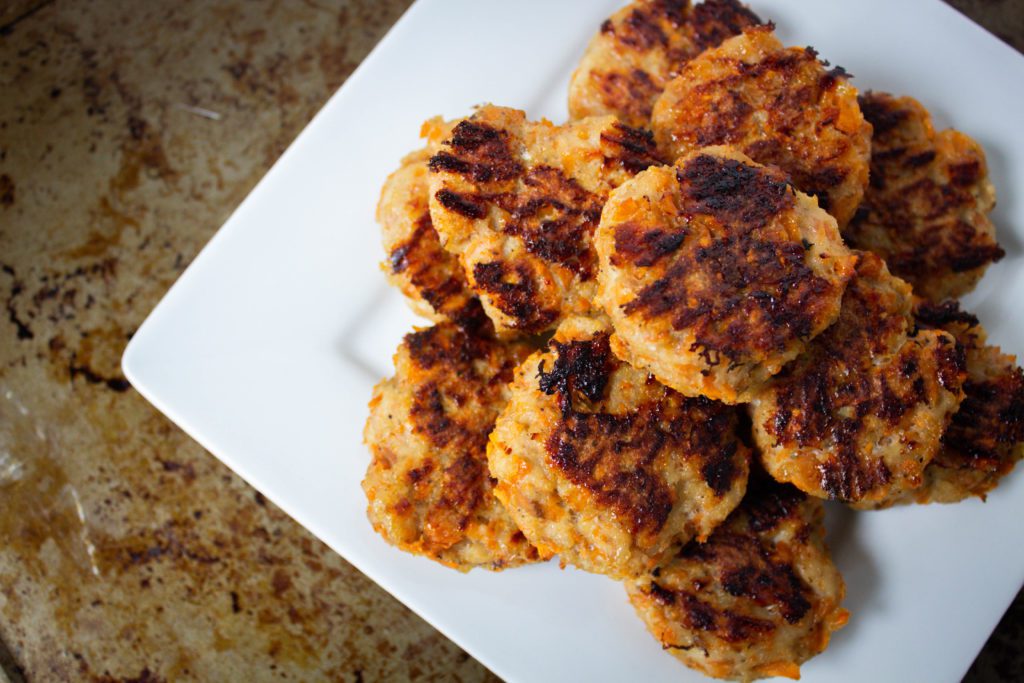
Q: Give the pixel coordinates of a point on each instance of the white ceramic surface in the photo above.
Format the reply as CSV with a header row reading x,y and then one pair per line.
x,y
266,349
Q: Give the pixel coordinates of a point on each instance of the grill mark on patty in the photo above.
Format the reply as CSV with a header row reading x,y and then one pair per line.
x,y
462,486
555,218
630,94
580,367
478,151
633,148
945,315
768,504
756,293
513,292
468,205
823,400
617,457
644,246
441,347
735,193
716,20
437,276
640,29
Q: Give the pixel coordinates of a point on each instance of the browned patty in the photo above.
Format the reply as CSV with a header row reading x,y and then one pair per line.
x,y
428,488
642,47
986,436
758,599
430,277
926,208
860,414
777,105
598,462
715,272
518,202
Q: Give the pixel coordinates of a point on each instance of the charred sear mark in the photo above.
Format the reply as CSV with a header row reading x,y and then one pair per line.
x,y
441,347
644,246
630,94
769,504
716,20
620,457
512,290
437,276
462,487
698,615
633,148
555,218
883,118
943,316
613,456
641,30
747,567
735,193
988,426
721,468
951,364
479,152
580,368
834,76
748,292
469,206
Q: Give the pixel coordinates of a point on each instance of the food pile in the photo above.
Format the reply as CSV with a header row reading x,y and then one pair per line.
x,y
666,330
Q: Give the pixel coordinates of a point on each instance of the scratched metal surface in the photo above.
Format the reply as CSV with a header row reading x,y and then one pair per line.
x,y
128,133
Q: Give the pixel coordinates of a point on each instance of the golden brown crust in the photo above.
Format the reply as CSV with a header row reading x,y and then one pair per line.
x,y
642,47
431,278
600,463
518,203
985,439
759,598
860,414
428,488
926,208
716,272
777,105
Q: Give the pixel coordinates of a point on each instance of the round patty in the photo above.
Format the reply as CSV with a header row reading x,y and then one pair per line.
x,y
431,279
758,599
779,106
518,202
428,488
598,462
642,47
860,414
926,208
985,439
716,272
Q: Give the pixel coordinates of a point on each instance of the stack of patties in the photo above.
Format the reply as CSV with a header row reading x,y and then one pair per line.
x,y
666,330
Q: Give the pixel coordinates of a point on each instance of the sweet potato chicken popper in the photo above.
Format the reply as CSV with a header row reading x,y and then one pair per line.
x,y
518,202
716,272
777,105
926,208
758,599
666,330
642,47
603,465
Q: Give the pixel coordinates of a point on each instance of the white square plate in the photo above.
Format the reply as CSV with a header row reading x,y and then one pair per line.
x,y
266,349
